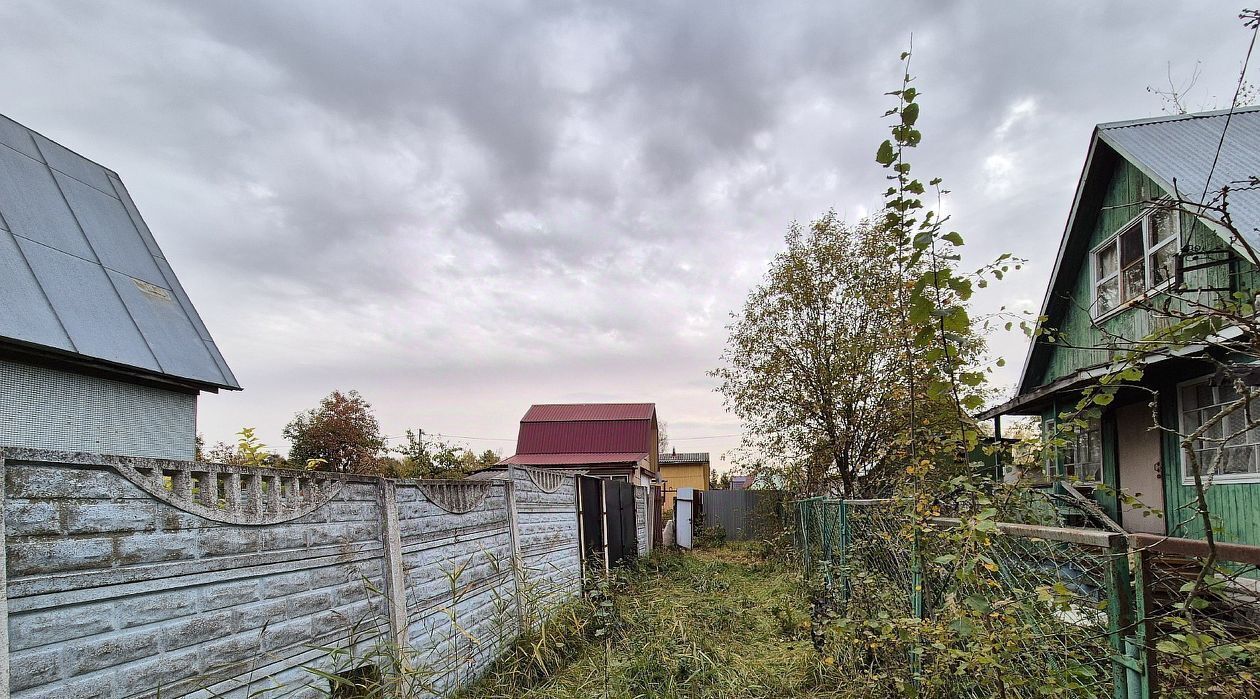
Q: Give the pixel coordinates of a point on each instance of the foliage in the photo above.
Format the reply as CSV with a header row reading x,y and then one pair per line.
x,y
710,536
720,481
424,456
810,360
247,451
340,434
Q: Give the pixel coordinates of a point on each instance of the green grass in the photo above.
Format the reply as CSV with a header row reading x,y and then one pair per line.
x,y
722,622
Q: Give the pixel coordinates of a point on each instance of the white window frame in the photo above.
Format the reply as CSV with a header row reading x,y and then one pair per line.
x,y
1144,220
1050,457
1187,478
1073,450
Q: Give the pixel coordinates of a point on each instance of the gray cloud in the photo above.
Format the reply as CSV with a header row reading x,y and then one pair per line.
x,y
463,208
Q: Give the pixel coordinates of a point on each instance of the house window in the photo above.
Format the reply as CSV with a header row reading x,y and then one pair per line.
x,y
1234,439
1082,460
1138,259
1050,458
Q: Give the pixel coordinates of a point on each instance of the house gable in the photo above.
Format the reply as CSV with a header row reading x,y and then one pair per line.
x,y
1113,190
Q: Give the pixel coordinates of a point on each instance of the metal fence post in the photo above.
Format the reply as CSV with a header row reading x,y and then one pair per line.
x,y
1141,674
1119,613
845,582
828,540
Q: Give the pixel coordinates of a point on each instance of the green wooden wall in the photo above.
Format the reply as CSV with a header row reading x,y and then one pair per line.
x,y
1236,506
1127,190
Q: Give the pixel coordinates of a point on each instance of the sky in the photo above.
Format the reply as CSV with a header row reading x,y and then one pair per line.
x,y
460,209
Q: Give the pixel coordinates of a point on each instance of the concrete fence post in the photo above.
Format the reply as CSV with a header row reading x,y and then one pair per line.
x,y
514,535
4,591
391,559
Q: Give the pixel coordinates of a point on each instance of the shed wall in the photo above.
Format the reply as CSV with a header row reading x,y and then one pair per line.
x,y
42,408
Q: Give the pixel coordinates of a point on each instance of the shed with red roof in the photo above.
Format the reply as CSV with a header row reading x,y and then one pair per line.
x,y
612,440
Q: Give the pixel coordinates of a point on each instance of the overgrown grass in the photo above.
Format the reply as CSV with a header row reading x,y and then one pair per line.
x,y
719,622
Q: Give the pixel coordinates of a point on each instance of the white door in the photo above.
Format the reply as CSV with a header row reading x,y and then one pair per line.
x,y
1138,449
684,514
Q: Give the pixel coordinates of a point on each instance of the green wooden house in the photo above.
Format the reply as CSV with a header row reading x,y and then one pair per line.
x,y
1121,250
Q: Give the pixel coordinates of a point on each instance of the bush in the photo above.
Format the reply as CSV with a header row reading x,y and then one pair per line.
x,y
710,536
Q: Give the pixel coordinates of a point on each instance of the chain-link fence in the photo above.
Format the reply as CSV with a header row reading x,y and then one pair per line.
x,y
982,608
1199,617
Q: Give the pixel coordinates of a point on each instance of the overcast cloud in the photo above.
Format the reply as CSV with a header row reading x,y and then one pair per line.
x,y
462,208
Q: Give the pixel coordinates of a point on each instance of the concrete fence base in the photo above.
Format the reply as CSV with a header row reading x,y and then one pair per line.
x,y
134,577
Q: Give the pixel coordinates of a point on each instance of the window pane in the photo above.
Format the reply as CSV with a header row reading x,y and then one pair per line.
x,y
1227,393
1131,248
1206,395
1108,261
1189,397
1108,295
1237,460
1133,281
1163,264
1163,225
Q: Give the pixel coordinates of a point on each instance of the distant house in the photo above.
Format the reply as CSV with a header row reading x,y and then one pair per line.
x,y
741,482
610,440
687,470
1118,250
100,348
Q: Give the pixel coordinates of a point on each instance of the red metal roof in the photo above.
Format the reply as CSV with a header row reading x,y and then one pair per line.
x,y
566,412
585,433
575,459
584,437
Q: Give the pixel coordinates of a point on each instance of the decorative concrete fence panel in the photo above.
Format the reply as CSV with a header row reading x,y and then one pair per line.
x,y
550,546
457,571
127,577
114,591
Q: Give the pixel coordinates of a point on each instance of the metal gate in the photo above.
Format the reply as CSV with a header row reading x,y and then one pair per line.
x,y
619,521
685,507
591,516
609,535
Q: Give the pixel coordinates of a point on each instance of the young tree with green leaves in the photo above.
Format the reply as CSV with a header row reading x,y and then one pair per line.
x,y
425,456
815,360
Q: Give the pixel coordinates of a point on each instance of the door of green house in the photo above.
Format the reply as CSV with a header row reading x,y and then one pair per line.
x,y
1140,470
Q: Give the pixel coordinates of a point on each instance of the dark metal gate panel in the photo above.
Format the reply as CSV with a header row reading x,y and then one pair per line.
x,y
619,523
591,501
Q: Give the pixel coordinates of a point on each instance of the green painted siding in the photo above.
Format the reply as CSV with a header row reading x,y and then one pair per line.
x,y
1087,344
1235,507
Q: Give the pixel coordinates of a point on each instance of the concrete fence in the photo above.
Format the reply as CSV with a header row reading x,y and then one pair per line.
x,y
130,577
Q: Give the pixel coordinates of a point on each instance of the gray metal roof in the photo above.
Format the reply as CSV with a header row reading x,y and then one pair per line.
x,y
81,275
1178,150
693,457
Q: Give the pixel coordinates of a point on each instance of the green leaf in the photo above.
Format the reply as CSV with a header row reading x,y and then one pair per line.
x,y
1104,399
910,114
885,155
953,237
